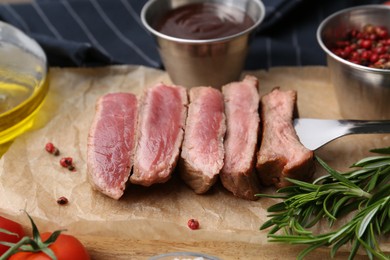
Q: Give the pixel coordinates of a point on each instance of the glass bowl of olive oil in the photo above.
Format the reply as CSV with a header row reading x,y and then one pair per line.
x,y
23,81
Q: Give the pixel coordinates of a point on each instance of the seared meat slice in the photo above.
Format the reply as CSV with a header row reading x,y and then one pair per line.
x,y
202,151
111,142
238,174
281,154
162,116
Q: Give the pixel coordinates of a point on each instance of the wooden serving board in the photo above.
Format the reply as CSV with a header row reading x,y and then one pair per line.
x,y
153,220
102,248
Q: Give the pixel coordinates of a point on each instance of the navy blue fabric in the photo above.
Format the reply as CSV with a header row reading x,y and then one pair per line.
x,y
80,33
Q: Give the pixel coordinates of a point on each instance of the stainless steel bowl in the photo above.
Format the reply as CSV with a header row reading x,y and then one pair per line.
x,y
210,62
362,92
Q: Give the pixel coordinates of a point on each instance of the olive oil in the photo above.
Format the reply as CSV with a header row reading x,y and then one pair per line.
x,y
23,84
11,95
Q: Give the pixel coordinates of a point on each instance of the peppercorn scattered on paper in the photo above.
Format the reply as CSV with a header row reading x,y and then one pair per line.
x,y
33,179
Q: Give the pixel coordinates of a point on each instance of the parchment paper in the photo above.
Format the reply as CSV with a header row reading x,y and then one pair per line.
x,y
32,179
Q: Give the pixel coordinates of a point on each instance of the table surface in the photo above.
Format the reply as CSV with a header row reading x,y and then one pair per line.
x,y
114,248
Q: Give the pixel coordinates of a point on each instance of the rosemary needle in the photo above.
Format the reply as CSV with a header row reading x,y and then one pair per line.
x,y
363,192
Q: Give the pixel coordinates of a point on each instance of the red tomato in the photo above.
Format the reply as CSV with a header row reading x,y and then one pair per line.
x,y
13,227
65,247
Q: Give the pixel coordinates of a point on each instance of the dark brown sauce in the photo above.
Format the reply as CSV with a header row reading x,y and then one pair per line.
x,y
202,21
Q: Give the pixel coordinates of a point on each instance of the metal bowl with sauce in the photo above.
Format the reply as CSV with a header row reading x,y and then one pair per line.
x,y
23,81
203,43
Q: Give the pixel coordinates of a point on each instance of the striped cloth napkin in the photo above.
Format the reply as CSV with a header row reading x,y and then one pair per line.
x,y
76,33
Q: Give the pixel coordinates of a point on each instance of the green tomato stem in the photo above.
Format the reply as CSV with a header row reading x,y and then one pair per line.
x,y
12,250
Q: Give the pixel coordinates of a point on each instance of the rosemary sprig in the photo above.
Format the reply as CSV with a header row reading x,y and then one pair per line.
x,y
363,192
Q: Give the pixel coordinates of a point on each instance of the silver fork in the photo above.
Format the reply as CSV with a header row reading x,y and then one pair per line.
x,y
314,133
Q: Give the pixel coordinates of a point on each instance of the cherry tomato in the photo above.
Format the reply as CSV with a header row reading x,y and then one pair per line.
x,y
13,227
66,247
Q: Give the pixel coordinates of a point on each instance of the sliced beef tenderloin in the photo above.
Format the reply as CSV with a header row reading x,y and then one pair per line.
x,y
162,116
238,174
202,150
281,154
111,142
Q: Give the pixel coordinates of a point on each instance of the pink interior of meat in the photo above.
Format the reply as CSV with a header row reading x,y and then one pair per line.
x,y
242,101
161,124
204,139
284,140
113,139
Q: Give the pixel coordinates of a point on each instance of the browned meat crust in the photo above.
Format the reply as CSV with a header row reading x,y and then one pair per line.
x,y
281,154
238,174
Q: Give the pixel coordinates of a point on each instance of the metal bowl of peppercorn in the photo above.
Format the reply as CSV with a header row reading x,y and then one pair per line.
x,y
357,45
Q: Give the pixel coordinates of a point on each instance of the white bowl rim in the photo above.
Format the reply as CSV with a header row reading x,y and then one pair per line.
x,y
184,253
